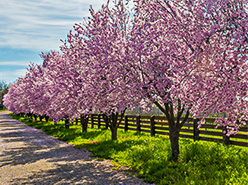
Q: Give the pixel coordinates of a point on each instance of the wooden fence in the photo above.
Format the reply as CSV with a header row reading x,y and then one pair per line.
x,y
159,125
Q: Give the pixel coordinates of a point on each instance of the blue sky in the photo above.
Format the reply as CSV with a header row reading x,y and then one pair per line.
x,y
29,27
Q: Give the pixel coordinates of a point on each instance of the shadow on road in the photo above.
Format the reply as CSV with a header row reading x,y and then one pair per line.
x,y
41,159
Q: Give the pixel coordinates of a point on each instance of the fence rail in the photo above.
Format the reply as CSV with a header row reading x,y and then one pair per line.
x,y
159,125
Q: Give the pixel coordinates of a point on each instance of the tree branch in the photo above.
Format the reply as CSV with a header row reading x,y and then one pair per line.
x,y
159,106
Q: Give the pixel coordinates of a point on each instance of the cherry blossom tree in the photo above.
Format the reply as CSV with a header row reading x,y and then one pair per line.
x,y
36,92
190,57
99,45
16,100
63,87
4,87
50,90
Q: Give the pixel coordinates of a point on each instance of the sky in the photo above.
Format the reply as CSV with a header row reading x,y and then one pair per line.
x,y
29,27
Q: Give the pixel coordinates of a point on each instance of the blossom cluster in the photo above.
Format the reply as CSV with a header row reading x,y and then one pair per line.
x,y
186,57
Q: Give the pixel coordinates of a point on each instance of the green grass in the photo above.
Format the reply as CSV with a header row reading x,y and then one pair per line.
x,y
199,162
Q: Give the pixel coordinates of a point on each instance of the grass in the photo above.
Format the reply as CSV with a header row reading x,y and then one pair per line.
x,y
199,162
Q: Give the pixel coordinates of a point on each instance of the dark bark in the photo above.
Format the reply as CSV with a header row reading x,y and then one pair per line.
x,y
126,124
41,117
67,126
46,118
114,133
174,139
226,139
196,131
175,124
138,124
113,123
84,123
35,117
30,115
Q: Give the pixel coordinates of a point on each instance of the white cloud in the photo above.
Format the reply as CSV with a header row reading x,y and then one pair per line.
x,y
11,76
28,27
14,63
39,25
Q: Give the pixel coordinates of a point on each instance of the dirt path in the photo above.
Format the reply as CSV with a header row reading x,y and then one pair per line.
x,y
29,156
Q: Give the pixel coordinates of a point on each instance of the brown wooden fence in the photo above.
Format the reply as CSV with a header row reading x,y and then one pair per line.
x,y
159,125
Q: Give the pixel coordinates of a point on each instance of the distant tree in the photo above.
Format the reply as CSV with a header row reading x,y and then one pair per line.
x,y
16,99
63,86
99,46
4,88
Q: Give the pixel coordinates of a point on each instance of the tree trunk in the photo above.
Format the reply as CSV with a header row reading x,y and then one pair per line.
x,y
41,117
175,124
46,118
30,115
113,123
35,117
174,139
67,123
114,133
84,123
84,127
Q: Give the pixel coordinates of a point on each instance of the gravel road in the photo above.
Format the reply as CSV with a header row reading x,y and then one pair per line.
x,y
29,156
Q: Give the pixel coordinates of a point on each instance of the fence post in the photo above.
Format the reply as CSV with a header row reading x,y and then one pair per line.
x,y
196,130
106,126
99,121
226,139
106,120
126,123
138,123
92,121
152,126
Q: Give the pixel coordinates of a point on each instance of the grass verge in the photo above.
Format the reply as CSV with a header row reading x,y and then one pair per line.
x,y
200,162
